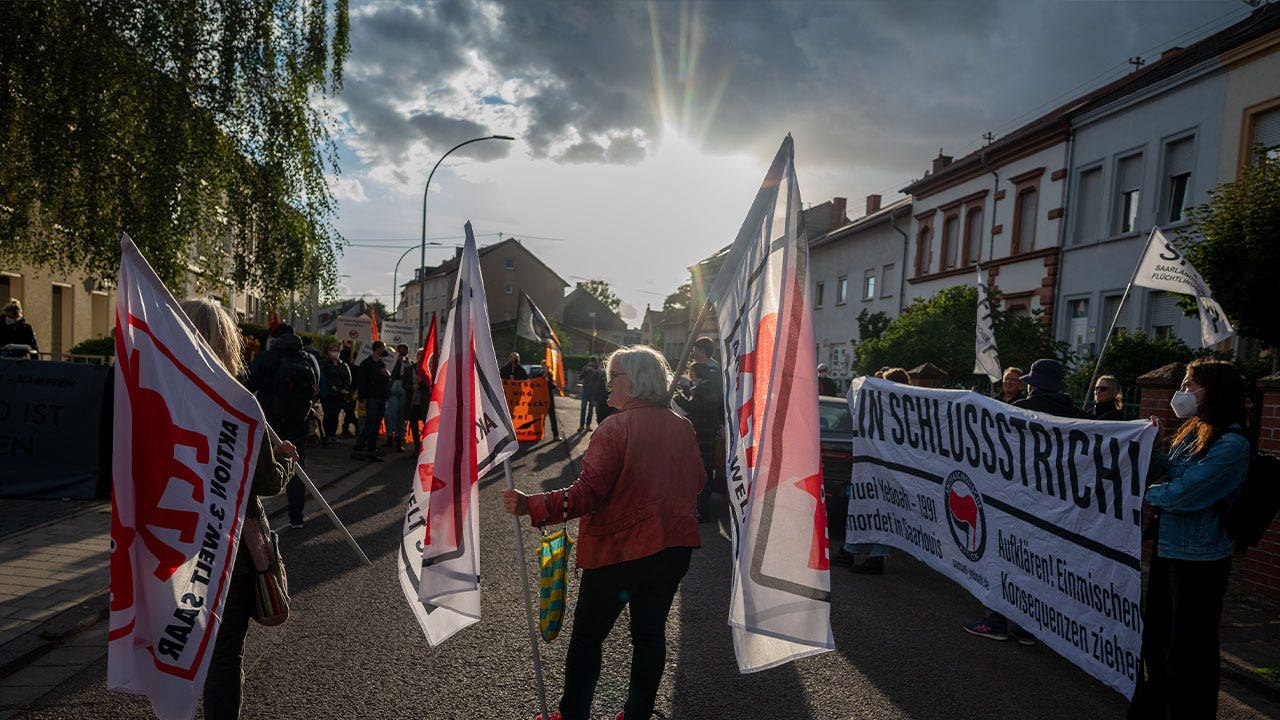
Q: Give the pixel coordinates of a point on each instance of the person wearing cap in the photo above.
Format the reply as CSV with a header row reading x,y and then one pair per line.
x,y
1046,396
826,386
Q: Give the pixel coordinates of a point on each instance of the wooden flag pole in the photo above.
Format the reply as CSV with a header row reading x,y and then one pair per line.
x,y
528,602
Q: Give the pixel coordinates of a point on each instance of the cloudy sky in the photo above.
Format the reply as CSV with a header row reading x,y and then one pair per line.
x,y
644,129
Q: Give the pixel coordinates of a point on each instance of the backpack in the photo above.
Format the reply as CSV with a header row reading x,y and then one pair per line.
x,y
1247,516
293,388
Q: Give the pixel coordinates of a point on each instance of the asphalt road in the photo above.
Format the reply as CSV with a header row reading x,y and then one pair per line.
x,y
352,649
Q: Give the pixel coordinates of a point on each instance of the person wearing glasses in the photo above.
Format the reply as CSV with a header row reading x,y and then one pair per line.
x,y
636,496
1108,399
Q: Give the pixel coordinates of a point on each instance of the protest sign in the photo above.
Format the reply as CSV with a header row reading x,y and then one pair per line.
x,y
529,403
1037,516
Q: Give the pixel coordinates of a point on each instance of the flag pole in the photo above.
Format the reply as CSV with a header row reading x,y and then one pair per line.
x,y
1103,351
688,347
528,602
315,492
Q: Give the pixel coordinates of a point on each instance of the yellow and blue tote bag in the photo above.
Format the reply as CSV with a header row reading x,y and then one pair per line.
x,y
553,556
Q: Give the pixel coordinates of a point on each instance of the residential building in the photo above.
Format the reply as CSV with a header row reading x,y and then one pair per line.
x,y
589,315
857,267
508,268
1146,148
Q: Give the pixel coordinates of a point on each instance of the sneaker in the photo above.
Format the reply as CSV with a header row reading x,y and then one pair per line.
x,y
374,457
296,525
987,630
870,566
619,716
842,558
555,715
1022,636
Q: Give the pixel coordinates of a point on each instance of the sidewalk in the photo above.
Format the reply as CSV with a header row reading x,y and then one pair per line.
x,y
54,570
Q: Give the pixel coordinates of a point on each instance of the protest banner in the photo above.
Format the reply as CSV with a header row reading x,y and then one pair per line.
x,y
529,403
780,607
468,433
359,330
187,437
395,333
1164,268
1038,517
47,408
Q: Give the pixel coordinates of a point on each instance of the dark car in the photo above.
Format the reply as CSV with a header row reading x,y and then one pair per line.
x,y
836,425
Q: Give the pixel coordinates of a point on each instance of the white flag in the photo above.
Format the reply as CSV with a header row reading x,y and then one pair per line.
x,y
186,445
468,432
987,361
1164,268
781,603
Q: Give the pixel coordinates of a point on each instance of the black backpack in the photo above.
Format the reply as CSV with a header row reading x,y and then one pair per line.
x,y
293,388
1247,516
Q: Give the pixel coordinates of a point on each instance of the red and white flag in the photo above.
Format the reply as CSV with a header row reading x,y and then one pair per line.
x,y
780,608
186,445
468,433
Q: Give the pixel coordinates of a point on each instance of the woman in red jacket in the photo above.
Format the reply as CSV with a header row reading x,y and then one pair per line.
x,y
637,495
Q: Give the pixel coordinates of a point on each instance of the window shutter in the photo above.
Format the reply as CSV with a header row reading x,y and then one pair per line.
x,y
1164,310
1130,173
1181,157
1090,214
1266,129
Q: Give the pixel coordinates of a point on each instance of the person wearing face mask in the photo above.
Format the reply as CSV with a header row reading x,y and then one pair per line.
x,y
14,330
1203,471
337,380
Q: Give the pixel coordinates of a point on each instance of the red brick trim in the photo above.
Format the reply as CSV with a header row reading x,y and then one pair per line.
x,y
1058,174
1055,213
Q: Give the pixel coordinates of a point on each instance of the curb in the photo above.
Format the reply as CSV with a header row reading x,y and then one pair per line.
x,y
1246,674
52,632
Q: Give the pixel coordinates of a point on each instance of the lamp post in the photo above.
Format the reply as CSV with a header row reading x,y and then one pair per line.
x,y
395,285
422,263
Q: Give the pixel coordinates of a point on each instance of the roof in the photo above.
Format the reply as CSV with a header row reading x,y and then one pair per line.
x,y
817,217
1056,123
448,267
883,215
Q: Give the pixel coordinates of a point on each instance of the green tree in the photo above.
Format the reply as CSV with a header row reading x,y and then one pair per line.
x,y
192,126
601,290
1232,243
871,325
678,300
941,330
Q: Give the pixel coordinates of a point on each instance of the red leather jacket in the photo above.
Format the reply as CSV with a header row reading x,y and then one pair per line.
x,y
638,490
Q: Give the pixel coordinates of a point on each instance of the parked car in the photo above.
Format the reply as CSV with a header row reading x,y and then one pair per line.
x,y
836,431
535,370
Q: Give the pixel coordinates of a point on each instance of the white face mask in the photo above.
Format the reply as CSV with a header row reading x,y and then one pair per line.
x,y
10,320
1184,404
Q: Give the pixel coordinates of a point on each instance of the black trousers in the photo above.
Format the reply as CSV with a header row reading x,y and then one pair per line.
x,y
222,684
332,406
1180,639
648,585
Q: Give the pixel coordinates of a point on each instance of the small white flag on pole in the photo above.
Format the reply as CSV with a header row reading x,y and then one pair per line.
x,y
1164,268
468,432
187,438
987,361
780,609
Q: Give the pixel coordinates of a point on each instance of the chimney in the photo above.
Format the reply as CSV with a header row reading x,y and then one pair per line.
x,y
837,211
873,204
941,161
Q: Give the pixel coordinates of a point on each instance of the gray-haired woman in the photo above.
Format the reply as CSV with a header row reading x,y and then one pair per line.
x,y
637,492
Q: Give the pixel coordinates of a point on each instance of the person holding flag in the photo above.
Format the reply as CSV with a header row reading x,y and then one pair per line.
x,y
637,494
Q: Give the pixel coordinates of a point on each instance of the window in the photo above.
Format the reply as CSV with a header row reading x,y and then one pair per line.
x,y
509,289
1113,311
950,241
511,263
1265,138
1089,213
924,250
1164,314
1179,157
869,285
842,289
973,236
886,281
1128,193
1078,336
1024,220
817,296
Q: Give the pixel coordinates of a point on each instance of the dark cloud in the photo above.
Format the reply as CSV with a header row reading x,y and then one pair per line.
x,y
877,84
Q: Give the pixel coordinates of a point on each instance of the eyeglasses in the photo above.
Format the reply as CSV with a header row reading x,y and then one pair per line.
x,y
1101,388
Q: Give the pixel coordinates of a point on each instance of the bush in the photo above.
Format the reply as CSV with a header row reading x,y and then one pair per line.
x,y
105,345
1132,353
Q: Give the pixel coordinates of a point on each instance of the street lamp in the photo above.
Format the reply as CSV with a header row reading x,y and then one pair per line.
x,y
422,295
395,285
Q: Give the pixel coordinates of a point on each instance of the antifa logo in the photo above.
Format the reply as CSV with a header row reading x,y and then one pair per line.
x,y
154,468
965,515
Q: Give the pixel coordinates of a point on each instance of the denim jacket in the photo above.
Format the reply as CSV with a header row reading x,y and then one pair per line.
x,y
1189,496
